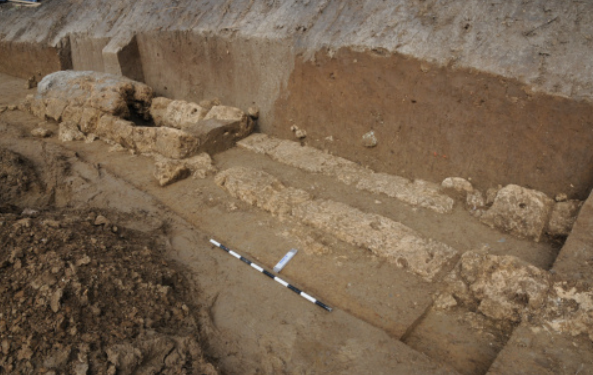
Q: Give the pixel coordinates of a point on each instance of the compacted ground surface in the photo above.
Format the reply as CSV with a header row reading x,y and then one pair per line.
x,y
92,284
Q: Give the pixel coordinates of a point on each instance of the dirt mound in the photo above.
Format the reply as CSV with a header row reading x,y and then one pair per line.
x,y
80,295
17,176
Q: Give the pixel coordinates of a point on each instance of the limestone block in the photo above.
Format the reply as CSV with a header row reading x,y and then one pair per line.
x,y
240,120
54,108
109,101
116,130
384,237
252,186
458,184
570,310
143,138
519,211
167,172
158,110
107,93
563,217
68,132
89,119
41,132
418,193
175,143
176,113
72,113
200,165
502,287
38,107
217,135
259,143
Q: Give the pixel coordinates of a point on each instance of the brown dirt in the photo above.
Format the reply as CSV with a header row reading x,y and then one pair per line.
x,y
435,122
74,294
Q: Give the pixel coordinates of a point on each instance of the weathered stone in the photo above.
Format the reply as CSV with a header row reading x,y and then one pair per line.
x,y
175,143
502,287
107,93
68,132
491,195
561,197
474,200
54,108
38,107
31,82
116,130
563,216
41,132
418,193
460,185
72,113
143,138
89,119
169,172
200,165
369,139
176,113
570,310
384,237
519,211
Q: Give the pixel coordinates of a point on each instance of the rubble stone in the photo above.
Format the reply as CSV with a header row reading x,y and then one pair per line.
x,y
41,132
68,132
461,185
369,139
563,216
501,287
519,211
168,172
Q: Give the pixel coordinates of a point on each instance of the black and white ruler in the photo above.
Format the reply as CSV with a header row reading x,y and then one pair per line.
x,y
271,275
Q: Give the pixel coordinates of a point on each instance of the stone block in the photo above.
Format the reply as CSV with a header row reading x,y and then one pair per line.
x,y
89,119
500,287
54,108
68,132
176,113
563,216
72,113
116,130
38,107
384,237
175,143
520,211
168,172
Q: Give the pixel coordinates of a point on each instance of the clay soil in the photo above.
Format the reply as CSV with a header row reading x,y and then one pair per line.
x,y
91,281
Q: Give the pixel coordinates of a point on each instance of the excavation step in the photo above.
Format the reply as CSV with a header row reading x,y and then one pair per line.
x,y
417,193
537,351
575,260
384,237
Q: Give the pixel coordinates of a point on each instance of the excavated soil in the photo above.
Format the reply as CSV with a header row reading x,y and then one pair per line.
x,y
81,295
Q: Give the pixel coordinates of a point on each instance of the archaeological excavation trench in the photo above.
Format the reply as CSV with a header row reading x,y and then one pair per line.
x,y
431,162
